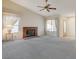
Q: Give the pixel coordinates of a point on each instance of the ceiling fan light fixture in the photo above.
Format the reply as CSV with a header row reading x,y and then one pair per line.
x,y
47,7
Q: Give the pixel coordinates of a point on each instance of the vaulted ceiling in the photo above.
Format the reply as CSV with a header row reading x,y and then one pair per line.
x,y
64,7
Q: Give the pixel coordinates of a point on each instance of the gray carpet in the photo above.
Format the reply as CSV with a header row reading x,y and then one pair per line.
x,y
39,48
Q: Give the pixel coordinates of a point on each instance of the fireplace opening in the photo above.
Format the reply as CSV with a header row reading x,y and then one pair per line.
x,y
29,31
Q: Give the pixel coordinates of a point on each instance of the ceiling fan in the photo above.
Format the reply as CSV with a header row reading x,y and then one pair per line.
x,y
47,7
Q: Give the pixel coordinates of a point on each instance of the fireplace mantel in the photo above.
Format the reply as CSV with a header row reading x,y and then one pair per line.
x,y
29,32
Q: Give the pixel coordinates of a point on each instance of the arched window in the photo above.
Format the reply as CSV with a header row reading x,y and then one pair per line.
x,y
11,22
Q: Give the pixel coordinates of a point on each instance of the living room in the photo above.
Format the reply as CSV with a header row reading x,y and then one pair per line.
x,y
38,29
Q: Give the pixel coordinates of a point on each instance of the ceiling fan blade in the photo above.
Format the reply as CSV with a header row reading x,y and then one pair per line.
x,y
41,9
53,8
40,6
48,10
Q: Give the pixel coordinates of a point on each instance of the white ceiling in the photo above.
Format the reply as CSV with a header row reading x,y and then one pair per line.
x,y
64,7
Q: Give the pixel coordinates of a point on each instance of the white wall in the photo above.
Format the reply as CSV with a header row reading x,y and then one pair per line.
x,y
28,18
61,26
71,27
32,20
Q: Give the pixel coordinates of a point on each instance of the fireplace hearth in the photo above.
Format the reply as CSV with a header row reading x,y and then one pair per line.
x,y
29,32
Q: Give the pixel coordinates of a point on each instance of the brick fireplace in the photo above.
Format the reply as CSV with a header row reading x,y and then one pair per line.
x,y
29,32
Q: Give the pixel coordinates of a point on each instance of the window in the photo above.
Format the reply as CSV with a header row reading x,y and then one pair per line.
x,y
51,25
15,27
11,22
